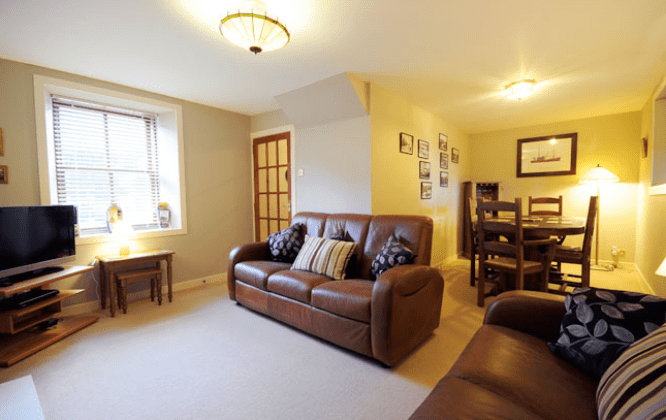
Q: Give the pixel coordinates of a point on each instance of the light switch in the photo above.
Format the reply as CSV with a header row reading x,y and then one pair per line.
x,y
300,172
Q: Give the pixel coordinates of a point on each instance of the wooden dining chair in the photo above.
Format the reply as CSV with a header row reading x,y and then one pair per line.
x,y
545,201
473,239
509,254
579,255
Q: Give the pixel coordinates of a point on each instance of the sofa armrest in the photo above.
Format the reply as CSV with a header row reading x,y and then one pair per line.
x,y
252,251
536,313
406,307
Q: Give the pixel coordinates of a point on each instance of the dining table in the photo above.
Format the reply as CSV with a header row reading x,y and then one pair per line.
x,y
546,226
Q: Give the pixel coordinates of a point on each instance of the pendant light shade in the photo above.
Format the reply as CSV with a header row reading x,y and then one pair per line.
x,y
251,28
520,90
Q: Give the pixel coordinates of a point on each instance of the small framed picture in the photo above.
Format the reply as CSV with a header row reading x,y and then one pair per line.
x,y
4,174
645,145
454,155
444,160
2,144
424,170
424,149
406,143
443,179
426,190
443,142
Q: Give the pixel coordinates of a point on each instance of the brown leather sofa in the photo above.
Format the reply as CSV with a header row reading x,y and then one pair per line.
x,y
384,319
508,372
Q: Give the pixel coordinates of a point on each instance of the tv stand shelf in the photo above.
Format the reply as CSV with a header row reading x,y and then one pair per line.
x,y
20,336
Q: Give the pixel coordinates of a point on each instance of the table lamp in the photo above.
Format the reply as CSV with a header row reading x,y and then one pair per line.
x,y
661,271
598,175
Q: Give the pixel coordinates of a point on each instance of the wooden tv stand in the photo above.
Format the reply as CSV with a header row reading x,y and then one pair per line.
x,y
19,336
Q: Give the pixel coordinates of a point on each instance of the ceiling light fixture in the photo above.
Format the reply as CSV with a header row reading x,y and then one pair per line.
x,y
252,28
521,89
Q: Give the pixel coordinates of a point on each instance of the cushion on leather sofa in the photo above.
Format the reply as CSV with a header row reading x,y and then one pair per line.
x,y
295,284
348,298
256,273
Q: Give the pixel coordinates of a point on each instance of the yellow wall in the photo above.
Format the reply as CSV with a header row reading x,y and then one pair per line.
x,y
395,175
217,172
612,141
651,223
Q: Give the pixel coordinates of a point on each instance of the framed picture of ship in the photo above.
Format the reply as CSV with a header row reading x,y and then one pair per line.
x,y
547,156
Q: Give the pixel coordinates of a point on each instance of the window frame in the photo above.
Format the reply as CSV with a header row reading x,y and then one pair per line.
x,y
170,129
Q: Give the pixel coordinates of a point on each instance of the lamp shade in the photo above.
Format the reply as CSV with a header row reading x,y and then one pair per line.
x,y
251,28
598,174
661,271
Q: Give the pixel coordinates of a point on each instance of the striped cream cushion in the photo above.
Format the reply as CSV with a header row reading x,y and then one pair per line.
x,y
634,385
324,256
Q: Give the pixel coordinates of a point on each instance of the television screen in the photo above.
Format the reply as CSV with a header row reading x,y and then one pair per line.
x,y
35,234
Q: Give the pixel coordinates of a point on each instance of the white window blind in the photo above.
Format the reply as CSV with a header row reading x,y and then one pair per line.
x,y
106,155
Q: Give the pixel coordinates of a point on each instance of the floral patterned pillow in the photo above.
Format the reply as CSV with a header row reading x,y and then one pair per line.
x,y
285,244
392,254
600,324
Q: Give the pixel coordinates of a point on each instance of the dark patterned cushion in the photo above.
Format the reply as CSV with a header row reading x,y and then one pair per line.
x,y
339,234
392,254
600,324
633,386
285,244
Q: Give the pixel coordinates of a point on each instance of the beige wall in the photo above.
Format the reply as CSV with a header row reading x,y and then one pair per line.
x,y
651,224
612,141
217,171
395,175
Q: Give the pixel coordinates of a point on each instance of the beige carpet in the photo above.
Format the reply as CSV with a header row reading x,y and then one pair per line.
x,y
204,357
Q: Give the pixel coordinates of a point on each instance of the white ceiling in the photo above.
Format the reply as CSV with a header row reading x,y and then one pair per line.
x,y
452,57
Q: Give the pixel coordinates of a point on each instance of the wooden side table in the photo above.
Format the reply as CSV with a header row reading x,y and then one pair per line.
x,y
110,264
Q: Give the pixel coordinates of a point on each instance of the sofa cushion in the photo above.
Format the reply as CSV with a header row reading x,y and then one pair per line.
x,y
295,284
512,368
392,254
600,324
350,298
633,386
324,256
285,244
256,273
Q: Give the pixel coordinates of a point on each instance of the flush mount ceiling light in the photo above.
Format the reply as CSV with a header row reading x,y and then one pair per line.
x,y
251,27
520,90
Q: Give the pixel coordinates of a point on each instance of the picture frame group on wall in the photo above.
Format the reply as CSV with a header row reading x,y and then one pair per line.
x,y
424,149
406,143
443,179
424,170
426,190
444,161
4,174
443,142
547,155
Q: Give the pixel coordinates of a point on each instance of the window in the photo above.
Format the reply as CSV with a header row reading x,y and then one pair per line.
x,y
99,147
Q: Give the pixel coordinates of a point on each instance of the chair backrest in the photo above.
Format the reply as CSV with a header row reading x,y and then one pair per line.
x,y
545,200
589,226
490,231
471,223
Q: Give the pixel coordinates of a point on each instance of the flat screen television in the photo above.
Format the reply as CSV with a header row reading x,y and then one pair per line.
x,y
33,239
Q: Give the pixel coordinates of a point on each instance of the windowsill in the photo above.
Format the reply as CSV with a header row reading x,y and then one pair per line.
x,y
99,239
657,190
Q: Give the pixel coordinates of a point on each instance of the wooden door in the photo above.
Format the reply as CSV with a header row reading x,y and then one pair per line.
x,y
272,184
